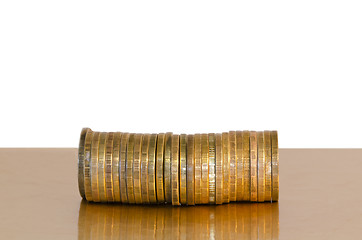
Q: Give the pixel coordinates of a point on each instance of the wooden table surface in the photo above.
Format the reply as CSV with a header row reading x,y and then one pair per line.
x,y
320,198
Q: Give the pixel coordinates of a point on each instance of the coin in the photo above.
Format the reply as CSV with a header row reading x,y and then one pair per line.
x,y
159,167
129,168
175,169
253,167
108,168
122,167
87,165
204,169
94,164
137,168
197,140
219,193
268,165
190,162
167,168
144,168
101,166
239,166
115,166
183,169
232,157
152,168
81,162
212,168
275,166
261,167
246,165
226,167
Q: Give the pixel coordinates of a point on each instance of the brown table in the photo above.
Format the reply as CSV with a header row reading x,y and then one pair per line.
x,y
320,198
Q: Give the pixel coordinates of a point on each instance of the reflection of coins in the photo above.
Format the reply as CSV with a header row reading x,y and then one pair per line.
x,y
137,168
226,167
94,164
232,157
261,167
197,140
219,193
122,167
190,162
101,166
239,166
152,168
167,168
81,162
275,166
159,167
183,169
144,168
204,169
108,168
87,165
175,170
212,168
253,167
129,168
268,165
115,166
246,165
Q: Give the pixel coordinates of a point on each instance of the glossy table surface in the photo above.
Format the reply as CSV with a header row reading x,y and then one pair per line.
x,y
320,198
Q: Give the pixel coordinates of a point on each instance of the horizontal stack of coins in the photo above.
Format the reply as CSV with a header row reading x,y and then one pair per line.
x,y
179,169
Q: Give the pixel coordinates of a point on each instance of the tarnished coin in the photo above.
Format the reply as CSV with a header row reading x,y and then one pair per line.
x,y
219,193
175,169
204,168
159,168
232,157
239,166
253,167
152,193
81,162
129,168
246,165
190,162
123,167
183,169
197,139
87,166
212,169
101,167
268,165
275,166
94,164
108,167
226,167
115,166
144,168
137,168
167,168
261,167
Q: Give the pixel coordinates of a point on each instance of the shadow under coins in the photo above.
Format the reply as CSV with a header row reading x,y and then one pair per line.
x,y
228,221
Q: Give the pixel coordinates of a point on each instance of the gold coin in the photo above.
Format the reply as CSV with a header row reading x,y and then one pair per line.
x,y
253,167
183,169
94,164
190,162
275,166
115,166
204,169
101,166
261,167
81,162
268,165
175,169
159,168
197,168
239,166
144,168
167,168
232,157
246,165
219,193
87,165
123,167
129,168
226,167
137,168
108,167
212,168
152,168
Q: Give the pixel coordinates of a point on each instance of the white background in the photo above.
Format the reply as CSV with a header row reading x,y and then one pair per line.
x,y
181,66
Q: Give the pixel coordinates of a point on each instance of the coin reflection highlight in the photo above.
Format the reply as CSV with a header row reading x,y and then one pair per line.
x,y
234,220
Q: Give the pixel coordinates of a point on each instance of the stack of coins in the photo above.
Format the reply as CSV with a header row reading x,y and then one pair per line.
x,y
212,168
